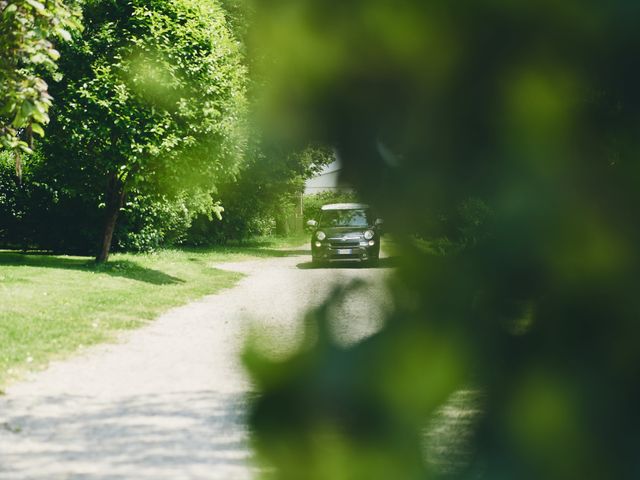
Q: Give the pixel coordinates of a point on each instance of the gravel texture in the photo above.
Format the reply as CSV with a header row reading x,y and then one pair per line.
x,y
168,401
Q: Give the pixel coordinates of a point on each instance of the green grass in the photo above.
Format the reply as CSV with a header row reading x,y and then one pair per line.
x,y
50,306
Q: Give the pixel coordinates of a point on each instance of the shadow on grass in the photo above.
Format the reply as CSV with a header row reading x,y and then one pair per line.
x,y
387,262
117,268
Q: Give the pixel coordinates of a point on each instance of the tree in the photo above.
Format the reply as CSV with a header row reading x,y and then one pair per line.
x,y
27,28
531,109
153,100
264,193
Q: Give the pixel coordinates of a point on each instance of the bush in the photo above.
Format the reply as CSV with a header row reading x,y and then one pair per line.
x,y
61,216
37,213
239,222
148,223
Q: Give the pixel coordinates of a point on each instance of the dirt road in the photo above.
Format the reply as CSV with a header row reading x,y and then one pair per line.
x,y
168,401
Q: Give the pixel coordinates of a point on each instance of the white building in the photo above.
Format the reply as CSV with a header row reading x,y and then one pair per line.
x,y
327,180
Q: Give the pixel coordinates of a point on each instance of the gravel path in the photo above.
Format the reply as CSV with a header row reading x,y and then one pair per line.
x,y
168,401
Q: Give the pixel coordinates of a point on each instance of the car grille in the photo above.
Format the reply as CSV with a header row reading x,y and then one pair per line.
x,y
344,244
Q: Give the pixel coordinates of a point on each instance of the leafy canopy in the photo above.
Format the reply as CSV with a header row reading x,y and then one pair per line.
x,y
27,31
154,93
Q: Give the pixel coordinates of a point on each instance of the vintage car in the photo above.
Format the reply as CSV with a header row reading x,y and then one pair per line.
x,y
345,232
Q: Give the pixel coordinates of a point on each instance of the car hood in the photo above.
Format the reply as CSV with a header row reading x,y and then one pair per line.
x,y
340,232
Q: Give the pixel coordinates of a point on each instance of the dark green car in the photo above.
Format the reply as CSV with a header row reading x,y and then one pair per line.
x,y
345,232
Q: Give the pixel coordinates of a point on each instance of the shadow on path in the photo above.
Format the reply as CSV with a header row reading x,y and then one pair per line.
x,y
134,437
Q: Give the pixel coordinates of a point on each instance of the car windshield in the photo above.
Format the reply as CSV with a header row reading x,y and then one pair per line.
x,y
344,218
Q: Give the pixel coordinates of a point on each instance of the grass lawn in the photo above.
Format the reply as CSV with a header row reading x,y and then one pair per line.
x,y
52,305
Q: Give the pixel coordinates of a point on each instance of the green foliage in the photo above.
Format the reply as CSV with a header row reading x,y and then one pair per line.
x,y
24,206
28,29
241,223
154,94
531,109
154,102
267,188
43,213
238,14
312,204
151,222
152,89
463,228
50,214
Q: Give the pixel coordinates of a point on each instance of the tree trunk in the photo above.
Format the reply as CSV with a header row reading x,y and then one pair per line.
x,y
114,201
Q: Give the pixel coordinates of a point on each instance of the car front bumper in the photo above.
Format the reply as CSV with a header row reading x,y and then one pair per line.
x,y
331,252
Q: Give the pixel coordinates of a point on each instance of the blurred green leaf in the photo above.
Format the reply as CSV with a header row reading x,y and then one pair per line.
x,y
499,141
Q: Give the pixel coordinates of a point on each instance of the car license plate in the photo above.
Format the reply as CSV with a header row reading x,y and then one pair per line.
x,y
345,251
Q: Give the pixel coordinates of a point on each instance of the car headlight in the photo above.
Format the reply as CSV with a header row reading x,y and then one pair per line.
x,y
368,234
320,235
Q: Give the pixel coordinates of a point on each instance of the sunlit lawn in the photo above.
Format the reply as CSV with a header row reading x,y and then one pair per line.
x,y
52,305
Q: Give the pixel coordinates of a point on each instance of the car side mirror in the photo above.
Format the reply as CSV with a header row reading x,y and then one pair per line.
x,y
311,224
